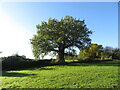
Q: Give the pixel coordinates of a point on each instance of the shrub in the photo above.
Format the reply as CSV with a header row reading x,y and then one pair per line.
x,y
90,52
20,62
13,62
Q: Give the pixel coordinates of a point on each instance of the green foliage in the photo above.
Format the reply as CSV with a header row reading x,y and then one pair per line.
x,y
75,75
14,58
106,53
20,62
110,53
116,53
71,55
95,51
56,36
90,52
14,62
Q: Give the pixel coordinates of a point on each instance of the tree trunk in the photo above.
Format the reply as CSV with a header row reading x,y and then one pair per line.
x,y
61,58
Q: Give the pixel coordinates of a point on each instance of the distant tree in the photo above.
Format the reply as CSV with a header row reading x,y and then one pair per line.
x,y
71,55
90,52
56,36
106,52
116,53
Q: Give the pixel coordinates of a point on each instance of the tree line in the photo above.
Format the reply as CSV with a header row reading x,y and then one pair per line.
x,y
95,52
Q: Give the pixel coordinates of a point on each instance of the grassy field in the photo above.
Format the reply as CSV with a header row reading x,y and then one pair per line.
x,y
74,75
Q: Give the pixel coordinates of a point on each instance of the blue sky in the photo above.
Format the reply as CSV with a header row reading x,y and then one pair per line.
x,y
100,17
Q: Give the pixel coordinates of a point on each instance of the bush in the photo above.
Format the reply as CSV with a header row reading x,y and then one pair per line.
x,y
13,62
90,52
20,62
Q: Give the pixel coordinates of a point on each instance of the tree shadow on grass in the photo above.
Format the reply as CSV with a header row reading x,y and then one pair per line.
x,y
96,63
41,68
15,74
44,68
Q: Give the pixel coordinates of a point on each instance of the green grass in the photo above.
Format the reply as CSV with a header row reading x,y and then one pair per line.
x,y
74,75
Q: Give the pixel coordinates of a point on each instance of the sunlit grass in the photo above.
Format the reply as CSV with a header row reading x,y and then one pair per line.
x,y
71,60
74,75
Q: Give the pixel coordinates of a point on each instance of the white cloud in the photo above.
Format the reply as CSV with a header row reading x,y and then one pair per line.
x,y
14,38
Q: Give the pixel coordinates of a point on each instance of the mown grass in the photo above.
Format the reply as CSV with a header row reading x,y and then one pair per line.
x,y
73,75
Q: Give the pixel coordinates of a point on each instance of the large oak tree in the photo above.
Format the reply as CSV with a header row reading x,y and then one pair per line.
x,y
60,35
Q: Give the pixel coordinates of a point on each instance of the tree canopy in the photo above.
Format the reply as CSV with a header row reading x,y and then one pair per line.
x,y
58,35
